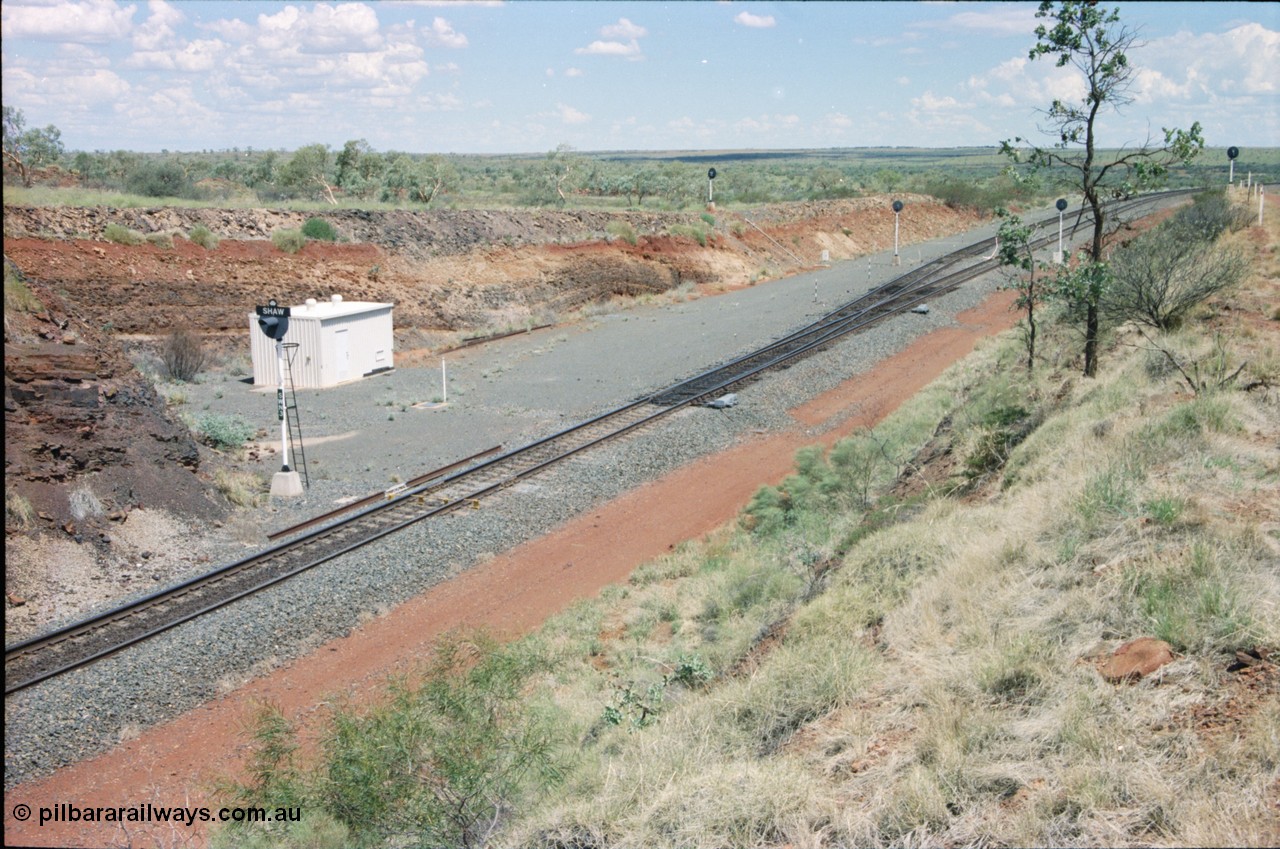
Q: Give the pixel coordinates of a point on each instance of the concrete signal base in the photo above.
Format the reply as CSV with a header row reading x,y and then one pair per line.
x,y
286,484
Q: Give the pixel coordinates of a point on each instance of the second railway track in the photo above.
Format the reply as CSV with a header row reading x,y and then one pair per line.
x,y
81,643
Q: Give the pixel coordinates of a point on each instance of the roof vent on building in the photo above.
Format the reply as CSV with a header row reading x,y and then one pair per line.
x,y
311,304
337,299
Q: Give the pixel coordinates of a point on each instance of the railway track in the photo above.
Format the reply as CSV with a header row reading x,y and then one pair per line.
x,y
341,532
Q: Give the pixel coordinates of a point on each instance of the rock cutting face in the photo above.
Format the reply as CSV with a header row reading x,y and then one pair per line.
x,y
78,413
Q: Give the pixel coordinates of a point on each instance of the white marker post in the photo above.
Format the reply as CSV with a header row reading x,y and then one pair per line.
x,y
444,383
1262,190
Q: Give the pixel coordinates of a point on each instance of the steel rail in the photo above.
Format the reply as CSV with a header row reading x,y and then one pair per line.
x,y
379,496
894,297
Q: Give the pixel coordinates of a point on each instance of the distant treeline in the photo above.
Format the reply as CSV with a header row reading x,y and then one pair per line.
x,y
358,175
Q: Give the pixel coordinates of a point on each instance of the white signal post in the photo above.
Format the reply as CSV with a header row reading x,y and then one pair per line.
x,y
280,413
897,212
273,320
1060,257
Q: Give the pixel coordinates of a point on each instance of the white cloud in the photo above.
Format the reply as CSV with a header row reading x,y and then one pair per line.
x,y
623,29
1242,61
438,103
178,104
747,19
569,115
930,102
442,34
943,117
630,50
97,86
1225,80
573,72
232,29
193,57
994,20
766,123
157,30
610,46
321,29
86,22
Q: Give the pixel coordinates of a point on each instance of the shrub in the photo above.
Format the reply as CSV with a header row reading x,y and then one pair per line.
x,y
1161,276
183,355
224,431
1211,215
693,231
289,241
18,512
318,228
244,489
160,179
621,230
122,235
160,240
18,296
203,237
443,762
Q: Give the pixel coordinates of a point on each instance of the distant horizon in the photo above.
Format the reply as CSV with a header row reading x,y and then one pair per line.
x,y
523,78
655,153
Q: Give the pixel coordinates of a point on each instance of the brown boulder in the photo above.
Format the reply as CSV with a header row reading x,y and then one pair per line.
x,y
1136,659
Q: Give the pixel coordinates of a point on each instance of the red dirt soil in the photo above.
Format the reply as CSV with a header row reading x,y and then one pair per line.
x,y
176,763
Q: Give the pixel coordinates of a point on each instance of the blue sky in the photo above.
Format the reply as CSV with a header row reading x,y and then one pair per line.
x,y
492,77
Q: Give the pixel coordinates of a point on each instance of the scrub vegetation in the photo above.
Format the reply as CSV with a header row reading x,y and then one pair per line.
x,y
899,644
316,177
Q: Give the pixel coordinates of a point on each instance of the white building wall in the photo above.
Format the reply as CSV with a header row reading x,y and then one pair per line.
x,y
369,336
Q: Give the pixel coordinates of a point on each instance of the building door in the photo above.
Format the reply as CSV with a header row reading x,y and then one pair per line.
x,y
342,354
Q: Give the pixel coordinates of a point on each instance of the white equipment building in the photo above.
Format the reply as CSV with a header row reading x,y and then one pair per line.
x,y
337,341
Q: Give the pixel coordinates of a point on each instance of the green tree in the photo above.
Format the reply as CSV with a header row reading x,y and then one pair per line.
x,y
263,172
1096,44
419,180
560,171
27,151
1015,252
348,162
308,171
437,177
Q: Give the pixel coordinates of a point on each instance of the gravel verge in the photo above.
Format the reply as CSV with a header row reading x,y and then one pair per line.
x,y
506,392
